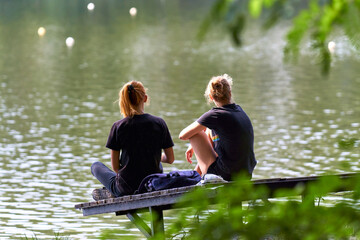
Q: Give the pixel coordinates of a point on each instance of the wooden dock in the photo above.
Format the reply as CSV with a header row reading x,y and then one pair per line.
x,y
158,201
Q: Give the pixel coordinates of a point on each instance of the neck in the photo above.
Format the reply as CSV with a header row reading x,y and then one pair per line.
x,y
220,104
140,109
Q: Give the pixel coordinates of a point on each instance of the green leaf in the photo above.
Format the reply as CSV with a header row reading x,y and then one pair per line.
x,y
237,28
269,3
255,7
325,61
351,23
347,144
275,14
217,14
297,32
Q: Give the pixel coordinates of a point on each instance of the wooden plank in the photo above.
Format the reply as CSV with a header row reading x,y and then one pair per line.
x,y
290,183
166,198
134,198
131,205
156,202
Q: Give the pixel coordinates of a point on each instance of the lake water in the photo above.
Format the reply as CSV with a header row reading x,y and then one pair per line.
x,y
57,103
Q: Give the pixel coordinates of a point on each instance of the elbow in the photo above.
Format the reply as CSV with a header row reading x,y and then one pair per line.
x,y
168,160
170,157
182,136
171,160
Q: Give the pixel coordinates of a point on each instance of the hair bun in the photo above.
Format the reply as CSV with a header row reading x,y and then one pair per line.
x,y
219,88
217,85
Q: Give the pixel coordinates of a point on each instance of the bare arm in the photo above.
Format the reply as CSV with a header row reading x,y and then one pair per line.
x,y
191,130
115,164
168,155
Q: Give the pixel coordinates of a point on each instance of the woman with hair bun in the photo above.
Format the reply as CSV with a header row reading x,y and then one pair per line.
x,y
136,143
222,138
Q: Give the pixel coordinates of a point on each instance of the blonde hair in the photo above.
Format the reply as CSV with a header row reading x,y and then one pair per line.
x,y
130,96
219,88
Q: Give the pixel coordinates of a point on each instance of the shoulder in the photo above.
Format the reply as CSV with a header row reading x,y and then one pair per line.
x,y
120,123
229,109
212,112
220,112
237,107
154,119
210,117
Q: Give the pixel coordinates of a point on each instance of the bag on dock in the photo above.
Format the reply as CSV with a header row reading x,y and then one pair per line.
x,y
174,179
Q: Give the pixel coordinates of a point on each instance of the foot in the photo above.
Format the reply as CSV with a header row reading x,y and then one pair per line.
x,y
211,178
100,194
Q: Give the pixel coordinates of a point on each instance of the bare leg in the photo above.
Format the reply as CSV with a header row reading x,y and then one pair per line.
x,y
204,152
197,168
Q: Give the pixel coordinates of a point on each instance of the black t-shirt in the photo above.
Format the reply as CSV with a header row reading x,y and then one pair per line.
x,y
140,139
233,137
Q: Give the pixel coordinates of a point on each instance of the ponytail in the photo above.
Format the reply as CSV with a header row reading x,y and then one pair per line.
x,y
219,88
130,97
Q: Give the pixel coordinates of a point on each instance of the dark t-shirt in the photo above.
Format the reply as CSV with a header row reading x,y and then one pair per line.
x,y
140,139
233,138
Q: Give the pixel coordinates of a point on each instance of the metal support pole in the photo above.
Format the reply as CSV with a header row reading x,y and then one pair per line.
x,y
157,221
231,206
140,224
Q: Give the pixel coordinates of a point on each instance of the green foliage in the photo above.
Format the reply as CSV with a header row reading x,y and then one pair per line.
x,y
279,218
301,24
57,236
216,14
116,233
347,144
315,19
112,234
228,11
256,6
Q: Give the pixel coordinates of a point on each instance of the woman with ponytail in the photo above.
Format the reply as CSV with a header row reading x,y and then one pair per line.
x,y
222,138
136,143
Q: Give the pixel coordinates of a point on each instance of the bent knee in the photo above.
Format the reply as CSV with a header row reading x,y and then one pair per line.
x,y
95,166
200,136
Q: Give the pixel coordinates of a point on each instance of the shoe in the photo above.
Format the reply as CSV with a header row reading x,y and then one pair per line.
x,y
100,194
211,178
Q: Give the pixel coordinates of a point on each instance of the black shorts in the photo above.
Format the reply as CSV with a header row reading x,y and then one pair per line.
x,y
215,168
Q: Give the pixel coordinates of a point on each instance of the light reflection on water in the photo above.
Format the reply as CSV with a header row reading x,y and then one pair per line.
x,y
57,107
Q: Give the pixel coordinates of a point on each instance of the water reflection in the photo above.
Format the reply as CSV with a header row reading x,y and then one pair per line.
x,y
57,105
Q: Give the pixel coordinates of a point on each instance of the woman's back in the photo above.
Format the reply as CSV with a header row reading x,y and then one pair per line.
x,y
135,142
233,137
140,139
230,149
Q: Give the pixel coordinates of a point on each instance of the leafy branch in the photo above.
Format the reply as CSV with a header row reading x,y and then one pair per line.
x,y
315,19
